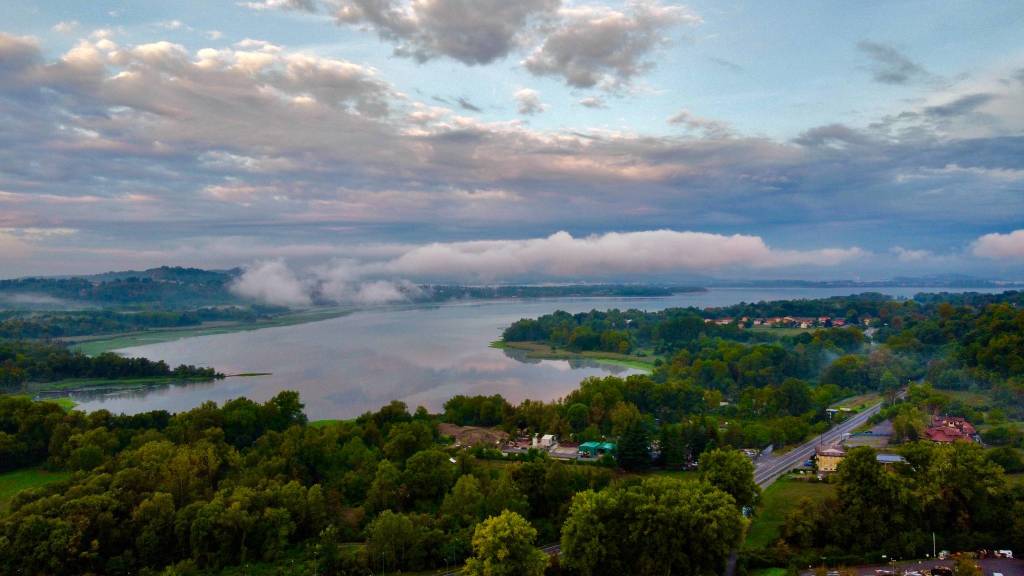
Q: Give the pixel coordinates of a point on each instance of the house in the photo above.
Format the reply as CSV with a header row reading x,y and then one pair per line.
x,y
544,442
946,429
829,458
596,449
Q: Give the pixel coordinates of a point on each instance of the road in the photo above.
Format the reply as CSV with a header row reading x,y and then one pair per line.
x,y
770,469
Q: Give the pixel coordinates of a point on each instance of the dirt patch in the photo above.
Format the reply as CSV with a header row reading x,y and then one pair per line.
x,y
472,435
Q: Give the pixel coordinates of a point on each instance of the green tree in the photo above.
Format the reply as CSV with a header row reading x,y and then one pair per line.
x,y
393,542
732,472
634,449
503,546
661,526
464,505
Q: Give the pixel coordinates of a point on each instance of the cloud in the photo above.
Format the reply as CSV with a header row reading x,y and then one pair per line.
x,y
558,256
908,255
476,32
587,46
66,26
593,102
286,153
709,128
528,102
998,246
301,5
603,47
889,65
339,282
465,104
272,282
612,254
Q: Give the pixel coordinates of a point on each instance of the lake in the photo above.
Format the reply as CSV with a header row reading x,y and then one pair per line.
x,y
421,355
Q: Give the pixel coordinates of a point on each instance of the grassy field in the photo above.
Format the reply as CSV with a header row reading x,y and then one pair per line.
x,y
540,351
13,482
100,344
776,502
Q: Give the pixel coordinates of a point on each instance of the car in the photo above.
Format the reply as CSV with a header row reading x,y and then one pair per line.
x,y
809,463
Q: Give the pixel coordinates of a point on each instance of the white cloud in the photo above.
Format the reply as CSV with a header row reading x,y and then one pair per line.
x,y
611,254
272,282
604,47
908,255
528,102
593,102
998,246
66,26
302,5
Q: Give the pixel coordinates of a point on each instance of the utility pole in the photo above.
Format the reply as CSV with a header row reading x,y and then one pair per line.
x,y
934,555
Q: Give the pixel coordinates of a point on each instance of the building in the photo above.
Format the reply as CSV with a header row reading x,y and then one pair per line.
x,y
890,459
596,449
946,429
544,442
829,458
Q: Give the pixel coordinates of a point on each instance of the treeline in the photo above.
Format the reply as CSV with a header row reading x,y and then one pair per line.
x,y
166,287
22,361
955,491
664,331
214,487
686,418
45,325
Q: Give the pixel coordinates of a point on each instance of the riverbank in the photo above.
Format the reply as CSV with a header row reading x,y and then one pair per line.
x,y
542,351
93,345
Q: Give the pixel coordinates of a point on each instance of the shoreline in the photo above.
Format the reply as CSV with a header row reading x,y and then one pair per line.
x,y
541,351
98,344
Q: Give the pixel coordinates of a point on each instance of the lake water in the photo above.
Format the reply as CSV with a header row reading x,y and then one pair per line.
x,y
345,366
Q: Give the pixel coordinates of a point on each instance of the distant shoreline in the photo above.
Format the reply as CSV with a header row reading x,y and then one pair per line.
x,y
542,351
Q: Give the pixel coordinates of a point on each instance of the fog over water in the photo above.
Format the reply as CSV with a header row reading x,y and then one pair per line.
x,y
345,366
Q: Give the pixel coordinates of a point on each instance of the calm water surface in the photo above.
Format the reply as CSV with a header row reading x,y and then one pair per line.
x,y
345,366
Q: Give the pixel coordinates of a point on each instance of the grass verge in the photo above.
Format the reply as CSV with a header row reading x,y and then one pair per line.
x,y
776,501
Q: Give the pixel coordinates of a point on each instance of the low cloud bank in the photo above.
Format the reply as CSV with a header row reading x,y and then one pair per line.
x,y
559,256
1000,246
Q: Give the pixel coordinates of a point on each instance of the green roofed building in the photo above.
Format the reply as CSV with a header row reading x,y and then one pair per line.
x,y
596,449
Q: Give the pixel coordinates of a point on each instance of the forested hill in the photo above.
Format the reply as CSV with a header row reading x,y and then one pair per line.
x,y
164,288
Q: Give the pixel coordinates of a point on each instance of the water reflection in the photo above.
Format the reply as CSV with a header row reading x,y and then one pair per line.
x,y
345,366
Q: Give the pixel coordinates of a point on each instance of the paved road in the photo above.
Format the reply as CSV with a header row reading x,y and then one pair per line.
x,y
770,469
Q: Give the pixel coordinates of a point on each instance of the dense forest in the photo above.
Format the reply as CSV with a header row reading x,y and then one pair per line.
x,y
22,362
246,482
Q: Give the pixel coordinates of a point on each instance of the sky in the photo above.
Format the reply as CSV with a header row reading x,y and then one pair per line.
x,y
500,140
